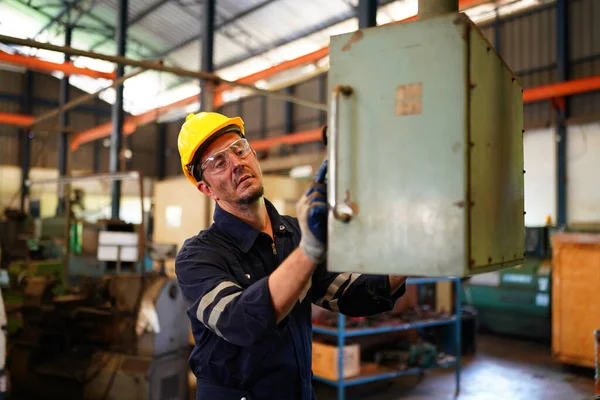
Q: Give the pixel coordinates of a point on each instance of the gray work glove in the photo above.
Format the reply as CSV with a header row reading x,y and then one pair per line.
x,y
312,215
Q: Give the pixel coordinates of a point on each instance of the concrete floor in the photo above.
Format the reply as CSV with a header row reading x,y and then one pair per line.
x,y
502,368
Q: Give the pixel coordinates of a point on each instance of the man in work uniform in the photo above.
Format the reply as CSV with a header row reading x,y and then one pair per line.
x,y
250,278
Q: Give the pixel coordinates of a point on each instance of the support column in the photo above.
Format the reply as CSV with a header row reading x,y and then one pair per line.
x,y
497,30
63,121
562,110
288,118
432,8
207,62
288,110
367,13
161,147
118,115
26,136
322,99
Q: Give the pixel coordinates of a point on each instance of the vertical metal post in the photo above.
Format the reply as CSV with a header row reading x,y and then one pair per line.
x,y
432,8
63,120
118,115
341,339
562,74
367,13
288,114
207,62
497,27
458,326
161,147
322,98
288,111
26,136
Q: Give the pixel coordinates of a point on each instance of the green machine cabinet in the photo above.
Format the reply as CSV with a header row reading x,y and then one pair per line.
x,y
425,150
514,301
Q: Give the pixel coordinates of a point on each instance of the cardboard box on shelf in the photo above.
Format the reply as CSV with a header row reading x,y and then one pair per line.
x,y
325,361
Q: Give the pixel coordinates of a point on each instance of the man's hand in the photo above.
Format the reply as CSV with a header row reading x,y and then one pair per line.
x,y
312,217
291,281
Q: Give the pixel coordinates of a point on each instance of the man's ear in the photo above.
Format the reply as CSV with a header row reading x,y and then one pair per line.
x,y
205,188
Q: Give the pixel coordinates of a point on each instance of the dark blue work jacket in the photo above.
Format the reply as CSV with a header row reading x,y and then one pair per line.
x,y
240,351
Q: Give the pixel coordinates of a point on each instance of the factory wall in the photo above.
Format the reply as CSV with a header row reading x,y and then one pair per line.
x,y
583,164
44,153
44,147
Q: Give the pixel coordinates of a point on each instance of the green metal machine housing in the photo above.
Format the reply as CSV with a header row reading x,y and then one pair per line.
x,y
517,301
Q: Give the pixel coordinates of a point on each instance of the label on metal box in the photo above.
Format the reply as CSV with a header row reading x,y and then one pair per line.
x,y
409,99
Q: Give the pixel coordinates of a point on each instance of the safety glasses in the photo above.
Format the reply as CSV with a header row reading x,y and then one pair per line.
x,y
219,161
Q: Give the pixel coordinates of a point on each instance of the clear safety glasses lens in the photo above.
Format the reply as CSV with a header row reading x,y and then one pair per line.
x,y
219,161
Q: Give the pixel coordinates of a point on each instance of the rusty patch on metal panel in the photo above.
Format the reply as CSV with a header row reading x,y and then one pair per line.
x,y
459,204
353,206
356,37
409,99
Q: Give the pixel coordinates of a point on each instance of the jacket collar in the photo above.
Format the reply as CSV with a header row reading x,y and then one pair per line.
x,y
243,234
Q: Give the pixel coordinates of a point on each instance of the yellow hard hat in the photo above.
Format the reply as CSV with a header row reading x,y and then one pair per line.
x,y
199,129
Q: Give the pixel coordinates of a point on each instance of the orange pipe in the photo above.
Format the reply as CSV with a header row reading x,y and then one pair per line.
x,y
313,135
36,64
15,119
131,123
562,89
100,131
284,66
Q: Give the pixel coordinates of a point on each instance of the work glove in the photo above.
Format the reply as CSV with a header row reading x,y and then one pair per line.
x,y
312,215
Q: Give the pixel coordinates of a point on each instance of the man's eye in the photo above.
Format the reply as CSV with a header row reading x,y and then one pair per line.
x,y
219,163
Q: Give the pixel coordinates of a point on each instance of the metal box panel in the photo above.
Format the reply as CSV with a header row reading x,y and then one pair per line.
x,y
404,158
495,161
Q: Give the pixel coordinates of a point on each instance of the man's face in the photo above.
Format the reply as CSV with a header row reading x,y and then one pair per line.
x,y
240,183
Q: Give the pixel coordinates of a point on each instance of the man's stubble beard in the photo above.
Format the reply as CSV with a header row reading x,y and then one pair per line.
x,y
252,197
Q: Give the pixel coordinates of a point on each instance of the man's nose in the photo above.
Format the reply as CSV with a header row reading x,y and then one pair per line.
x,y
235,161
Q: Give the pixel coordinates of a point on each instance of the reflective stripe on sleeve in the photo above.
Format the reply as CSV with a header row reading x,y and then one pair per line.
x,y
334,287
333,304
218,309
210,297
